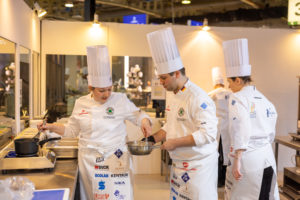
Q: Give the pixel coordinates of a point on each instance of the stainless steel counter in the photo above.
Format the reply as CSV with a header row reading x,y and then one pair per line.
x,y
64,175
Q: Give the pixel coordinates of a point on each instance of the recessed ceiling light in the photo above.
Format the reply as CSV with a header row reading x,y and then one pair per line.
x,y
69,4
185,1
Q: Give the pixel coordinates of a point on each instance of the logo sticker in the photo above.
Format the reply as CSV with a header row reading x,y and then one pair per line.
x,y
180,112
101,185
203,105
185,164
118,153
185,177
110,110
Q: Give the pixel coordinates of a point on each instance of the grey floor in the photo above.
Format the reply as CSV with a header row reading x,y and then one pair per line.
x,y
154,187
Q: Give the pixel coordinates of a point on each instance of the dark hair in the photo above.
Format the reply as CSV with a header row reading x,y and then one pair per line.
x,y
245,79
182,71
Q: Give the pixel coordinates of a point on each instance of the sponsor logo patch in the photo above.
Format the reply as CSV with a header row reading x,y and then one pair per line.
x,y
102,167
101,175
99,159
180,112
119,175
100,196
175,183
233,102
119,196
119,182
83,112
118,153
110,110
101,185
185,177
204,106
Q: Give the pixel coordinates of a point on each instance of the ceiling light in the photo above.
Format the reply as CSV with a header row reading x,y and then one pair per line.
x,y
185,2
205,26
69,4
96,22
40,12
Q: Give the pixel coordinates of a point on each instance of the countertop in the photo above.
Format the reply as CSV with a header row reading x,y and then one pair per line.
x,y
64,175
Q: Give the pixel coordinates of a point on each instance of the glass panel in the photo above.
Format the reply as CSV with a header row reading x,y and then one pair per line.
x,y
36,85
66,80
7,84
24,82
133,75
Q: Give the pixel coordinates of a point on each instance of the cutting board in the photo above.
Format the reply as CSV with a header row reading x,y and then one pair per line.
x,y
53,194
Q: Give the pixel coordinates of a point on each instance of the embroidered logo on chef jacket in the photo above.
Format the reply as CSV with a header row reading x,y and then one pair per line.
x,y
203,105
119,196
110,112
83,112
118,153
180,112
185,177
101,185
252,110
185,165
270,113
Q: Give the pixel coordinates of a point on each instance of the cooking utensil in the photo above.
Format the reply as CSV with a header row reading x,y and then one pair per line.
x,y
141,147
30,146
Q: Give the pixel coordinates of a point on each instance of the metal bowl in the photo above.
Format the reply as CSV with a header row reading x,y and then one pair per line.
x,y
141,147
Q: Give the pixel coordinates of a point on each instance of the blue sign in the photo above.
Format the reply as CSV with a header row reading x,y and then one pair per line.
x,y
135,19
194,23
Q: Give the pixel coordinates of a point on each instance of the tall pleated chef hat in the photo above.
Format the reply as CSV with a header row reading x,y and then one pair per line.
x,y
99,74
236,58
217,76
164,51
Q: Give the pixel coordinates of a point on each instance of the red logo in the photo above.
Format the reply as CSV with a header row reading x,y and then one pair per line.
x,y
185,164
83,112
168,108
101,196
96,167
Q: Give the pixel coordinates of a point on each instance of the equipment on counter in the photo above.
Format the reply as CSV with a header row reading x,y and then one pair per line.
x,y
29,146
141,147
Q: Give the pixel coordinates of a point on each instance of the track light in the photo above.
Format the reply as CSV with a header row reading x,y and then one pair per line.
x,y
96,22
185,2
40,12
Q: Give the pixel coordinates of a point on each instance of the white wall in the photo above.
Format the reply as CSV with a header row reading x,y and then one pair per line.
x,y
274,56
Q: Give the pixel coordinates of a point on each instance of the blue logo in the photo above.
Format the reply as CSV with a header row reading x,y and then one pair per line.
x,y
203,105
173,190
185,177
101,175
119,195
101,185
174,198
233,102
118,153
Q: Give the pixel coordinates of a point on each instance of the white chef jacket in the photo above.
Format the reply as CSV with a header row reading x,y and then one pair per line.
x,y
221,98
252,119
252,128
108,131
192,112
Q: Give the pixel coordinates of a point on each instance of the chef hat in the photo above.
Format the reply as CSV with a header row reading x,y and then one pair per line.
x,y
236,58
217,76
164,51
99,74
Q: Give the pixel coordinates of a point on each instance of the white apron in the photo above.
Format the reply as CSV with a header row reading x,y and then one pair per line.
x,y
192,180
253,163
105,175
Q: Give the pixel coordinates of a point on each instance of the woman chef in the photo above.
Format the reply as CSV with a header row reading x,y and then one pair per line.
x,y
191,128
252,118
99,120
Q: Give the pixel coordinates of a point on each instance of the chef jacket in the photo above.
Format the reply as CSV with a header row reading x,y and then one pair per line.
x,y
192,112
252,119
221,98
111,126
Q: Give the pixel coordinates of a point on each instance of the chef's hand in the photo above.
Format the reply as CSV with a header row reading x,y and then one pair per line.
x,y
43,126
169,145
146,127
236,167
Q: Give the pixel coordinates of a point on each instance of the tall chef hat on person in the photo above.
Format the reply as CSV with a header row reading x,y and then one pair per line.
x,y
99,74
217,76
164,51
236,58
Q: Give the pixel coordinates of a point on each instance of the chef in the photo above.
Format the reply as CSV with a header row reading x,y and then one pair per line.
x,y
220,96
190,132
98,119
251,174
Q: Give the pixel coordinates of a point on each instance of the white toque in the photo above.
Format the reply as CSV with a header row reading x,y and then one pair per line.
x,y
236,58
99,74
217,76
164,51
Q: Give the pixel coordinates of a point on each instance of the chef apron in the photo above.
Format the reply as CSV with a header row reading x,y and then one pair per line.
x,y
193,180
253,163
105,173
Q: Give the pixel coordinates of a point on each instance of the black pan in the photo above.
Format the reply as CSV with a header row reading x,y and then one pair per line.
x,y
30,146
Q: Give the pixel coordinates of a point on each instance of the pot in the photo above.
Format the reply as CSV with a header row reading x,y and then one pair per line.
x,y
141,147
29,146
